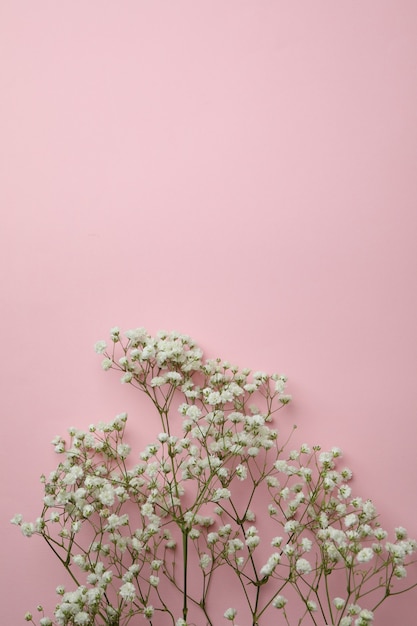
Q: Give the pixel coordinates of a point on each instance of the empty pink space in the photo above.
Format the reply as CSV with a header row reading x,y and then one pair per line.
x,y
243,172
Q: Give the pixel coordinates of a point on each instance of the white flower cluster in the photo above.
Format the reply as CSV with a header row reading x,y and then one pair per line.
x,y
125,530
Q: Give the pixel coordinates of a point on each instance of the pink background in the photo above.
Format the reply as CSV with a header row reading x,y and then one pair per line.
x,y
241,171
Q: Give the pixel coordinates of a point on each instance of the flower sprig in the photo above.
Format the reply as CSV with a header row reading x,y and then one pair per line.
x,y
129,533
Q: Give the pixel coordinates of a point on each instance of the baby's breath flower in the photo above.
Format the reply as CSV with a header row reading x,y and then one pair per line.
x,y
221,494
351,520
380,534
123,450
128,592
339,603
27,528
100,346
291,526
368,509
303,566
344,491
279,602
252,542
276,542
400,571
148,611
400,533
224,531
279,385
365,555
234,545
158,381
221,438
241,471
205,561
354,609
115,333
271,564
364,618
306,544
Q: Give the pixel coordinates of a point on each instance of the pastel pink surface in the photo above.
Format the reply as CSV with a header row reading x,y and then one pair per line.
x,y
244,172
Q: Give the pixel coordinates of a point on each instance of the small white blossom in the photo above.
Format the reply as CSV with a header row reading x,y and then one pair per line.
x,y
221,494
279,602
276,542
354,609
212,538
115,333
400,533
279,386
205,561
306,544
344,491
365,555
339,603
380,534
271,564
28,529
400,572
123,450
364,618
100,346
128,592
291,526
158,381
303,566
148,611
369,509
350,520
